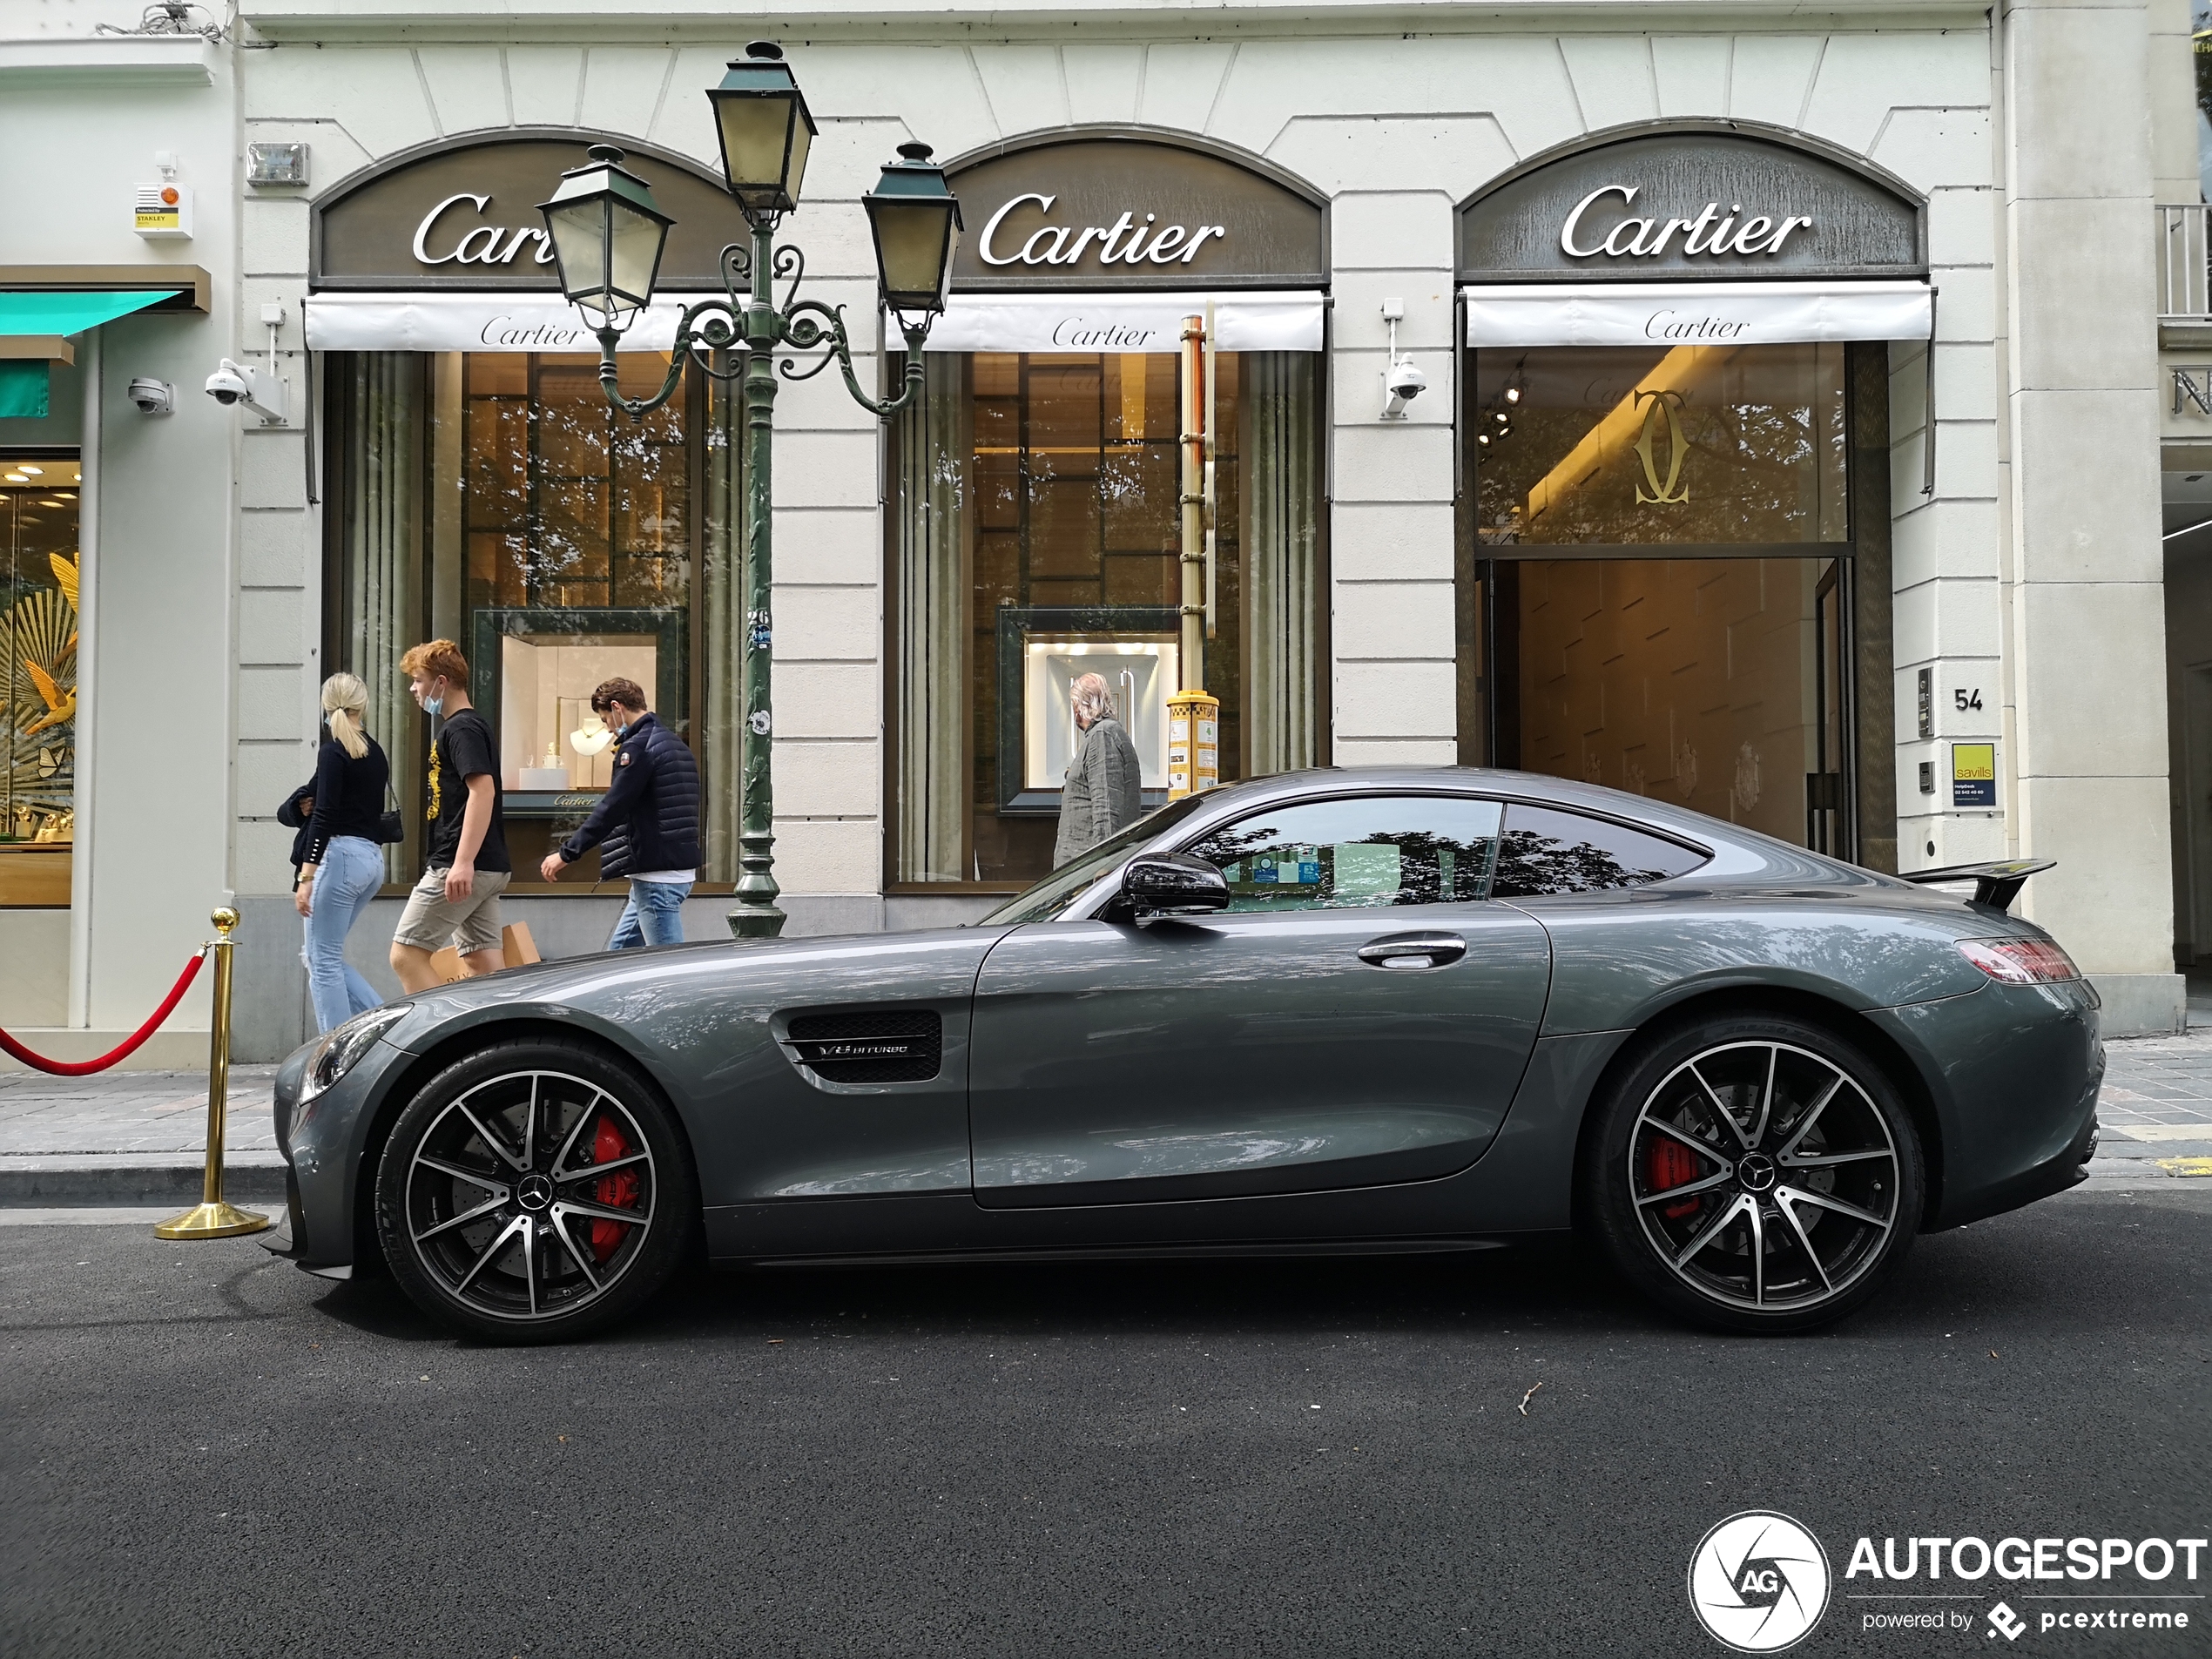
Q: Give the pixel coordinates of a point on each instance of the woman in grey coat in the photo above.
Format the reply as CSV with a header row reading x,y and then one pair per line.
x,y
1103,780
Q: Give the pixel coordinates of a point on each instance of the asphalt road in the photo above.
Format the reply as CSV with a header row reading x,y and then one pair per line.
x,y
208,1451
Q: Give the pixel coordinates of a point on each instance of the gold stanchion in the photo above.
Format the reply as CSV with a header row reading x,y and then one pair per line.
x,y
211,1217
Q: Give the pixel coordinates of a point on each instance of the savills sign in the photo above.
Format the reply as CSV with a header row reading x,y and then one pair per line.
x,y
1695,201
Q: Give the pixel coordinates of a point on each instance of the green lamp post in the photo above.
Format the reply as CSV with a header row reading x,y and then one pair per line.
x,y
607,234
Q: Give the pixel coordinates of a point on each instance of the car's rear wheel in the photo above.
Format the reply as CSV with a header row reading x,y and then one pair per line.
x,y
535,1192
1755,1172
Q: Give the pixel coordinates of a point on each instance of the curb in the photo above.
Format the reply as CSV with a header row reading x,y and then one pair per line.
x,y
133,1179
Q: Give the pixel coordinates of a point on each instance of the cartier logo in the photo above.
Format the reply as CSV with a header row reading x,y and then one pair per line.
x,y
1711,233
1659,405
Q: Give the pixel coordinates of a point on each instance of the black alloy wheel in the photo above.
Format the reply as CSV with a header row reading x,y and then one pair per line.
x,y
1755,1173
534,1192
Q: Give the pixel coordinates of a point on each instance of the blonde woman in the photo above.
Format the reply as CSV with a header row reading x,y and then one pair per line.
x,y
345,862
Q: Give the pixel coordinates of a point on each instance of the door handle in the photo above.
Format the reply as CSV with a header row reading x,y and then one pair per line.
x,y
1415,950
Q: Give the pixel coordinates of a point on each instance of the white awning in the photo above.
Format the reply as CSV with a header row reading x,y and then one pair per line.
x,y
1122,322
1709,314
482,323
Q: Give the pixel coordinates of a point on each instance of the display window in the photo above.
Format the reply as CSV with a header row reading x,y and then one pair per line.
x,y
1034,552
1661,569
499,500
39,639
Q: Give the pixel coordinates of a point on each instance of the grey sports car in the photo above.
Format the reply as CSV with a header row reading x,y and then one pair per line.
x,y
1345,1011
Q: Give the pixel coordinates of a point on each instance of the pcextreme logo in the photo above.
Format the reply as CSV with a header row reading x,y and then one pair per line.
x,y
1758,1581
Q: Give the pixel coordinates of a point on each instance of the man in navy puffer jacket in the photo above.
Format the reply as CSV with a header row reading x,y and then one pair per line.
x,y
647,824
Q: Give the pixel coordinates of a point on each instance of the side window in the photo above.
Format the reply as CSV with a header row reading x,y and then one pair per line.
x,y
1544,851
1368,852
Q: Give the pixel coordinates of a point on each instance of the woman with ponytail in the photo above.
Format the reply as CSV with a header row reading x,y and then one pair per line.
x,y
345,861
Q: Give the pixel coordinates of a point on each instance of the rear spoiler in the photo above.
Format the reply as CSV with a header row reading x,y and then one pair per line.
x,y
1997,883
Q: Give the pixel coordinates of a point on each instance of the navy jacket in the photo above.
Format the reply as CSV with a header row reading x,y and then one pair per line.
x,y
649,820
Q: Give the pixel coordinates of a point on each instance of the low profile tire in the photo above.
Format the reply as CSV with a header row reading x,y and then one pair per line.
x,y
535,1192
1755,1173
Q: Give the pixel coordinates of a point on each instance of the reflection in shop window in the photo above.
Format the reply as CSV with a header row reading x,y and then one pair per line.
x,y
1035,538
1660,446
38,520
499,500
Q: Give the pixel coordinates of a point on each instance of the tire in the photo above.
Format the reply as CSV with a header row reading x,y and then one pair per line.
x,y
506,1194
1794,1170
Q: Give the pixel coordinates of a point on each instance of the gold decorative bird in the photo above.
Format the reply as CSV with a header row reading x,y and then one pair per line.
x,y
61,706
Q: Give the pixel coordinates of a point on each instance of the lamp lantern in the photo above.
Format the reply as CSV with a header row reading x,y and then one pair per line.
x,y
914,219
766,129
607,233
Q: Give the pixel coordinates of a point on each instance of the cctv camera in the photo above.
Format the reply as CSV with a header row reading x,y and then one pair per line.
x,y
260,391
230,384
153,396
1402,383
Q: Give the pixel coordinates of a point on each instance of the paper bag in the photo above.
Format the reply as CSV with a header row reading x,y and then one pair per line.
x,y
516,946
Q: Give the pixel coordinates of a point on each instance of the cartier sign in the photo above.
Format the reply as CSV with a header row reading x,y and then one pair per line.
x,y
1106,208
1700,201
465,215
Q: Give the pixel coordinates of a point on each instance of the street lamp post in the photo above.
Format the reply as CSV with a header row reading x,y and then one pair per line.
x,y
607,234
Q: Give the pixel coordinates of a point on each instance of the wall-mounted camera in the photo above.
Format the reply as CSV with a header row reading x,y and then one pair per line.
x,y
1402,382
153,396
259,390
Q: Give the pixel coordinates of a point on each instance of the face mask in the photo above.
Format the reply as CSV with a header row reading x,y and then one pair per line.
x,y
433,705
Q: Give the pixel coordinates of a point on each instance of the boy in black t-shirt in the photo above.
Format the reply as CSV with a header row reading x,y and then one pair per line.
x,y
457,901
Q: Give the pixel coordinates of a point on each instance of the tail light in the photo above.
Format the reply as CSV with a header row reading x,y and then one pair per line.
x,y
2020,961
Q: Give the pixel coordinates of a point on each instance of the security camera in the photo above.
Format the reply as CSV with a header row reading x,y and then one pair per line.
x,y
153,396
261,392
1402,383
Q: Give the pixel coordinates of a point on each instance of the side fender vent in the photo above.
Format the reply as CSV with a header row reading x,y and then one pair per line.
x,y
869,1047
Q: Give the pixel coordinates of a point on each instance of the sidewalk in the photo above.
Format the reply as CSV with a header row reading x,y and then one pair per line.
x,y
138,1138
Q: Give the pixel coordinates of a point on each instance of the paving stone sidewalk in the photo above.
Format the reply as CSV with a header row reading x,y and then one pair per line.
x,y
108,1129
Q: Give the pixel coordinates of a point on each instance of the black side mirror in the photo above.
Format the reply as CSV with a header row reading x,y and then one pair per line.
x,y
1172,884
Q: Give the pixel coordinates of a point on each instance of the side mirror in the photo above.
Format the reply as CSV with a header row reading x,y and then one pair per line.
x,y
1172,884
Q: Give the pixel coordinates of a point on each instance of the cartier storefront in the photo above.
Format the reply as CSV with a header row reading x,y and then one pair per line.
x,y
1675,520
483,489
1033,527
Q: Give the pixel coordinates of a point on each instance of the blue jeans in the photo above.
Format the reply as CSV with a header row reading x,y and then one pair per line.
x,y
653,916
352,871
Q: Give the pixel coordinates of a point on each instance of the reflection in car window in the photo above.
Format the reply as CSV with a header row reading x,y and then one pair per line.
x,y
1369,852
1546,851
1067,883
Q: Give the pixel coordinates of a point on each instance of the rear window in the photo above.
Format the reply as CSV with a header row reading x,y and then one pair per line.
x,y
1545,851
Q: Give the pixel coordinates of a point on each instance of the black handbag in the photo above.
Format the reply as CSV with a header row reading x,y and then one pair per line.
x,y
391,828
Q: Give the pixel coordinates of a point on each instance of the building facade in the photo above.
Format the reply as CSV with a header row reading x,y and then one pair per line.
x,y
1790,445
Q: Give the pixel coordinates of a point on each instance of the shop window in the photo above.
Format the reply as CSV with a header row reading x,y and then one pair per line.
x,y
1660,547
499,500
1035,539
38,520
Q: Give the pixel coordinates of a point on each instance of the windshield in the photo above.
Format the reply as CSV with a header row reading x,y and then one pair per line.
x,y
1067,883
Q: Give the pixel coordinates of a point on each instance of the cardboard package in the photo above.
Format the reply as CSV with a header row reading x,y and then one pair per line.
x,y
516,946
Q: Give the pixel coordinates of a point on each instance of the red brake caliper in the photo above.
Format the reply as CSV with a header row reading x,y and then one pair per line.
x,y
1671,1164
615,1191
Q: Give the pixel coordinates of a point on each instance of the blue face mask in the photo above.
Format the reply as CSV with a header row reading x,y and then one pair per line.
x,y
433,705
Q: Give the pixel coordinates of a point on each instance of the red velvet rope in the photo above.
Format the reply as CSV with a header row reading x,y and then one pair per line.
x,y
79,1068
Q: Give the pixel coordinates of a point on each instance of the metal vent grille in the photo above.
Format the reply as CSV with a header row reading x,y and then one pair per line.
x,y
901,1047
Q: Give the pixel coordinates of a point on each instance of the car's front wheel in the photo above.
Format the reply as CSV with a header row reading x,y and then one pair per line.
x,y
534,1192
1756,1173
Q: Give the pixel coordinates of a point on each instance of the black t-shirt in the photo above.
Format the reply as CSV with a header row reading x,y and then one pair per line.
x,y
464,749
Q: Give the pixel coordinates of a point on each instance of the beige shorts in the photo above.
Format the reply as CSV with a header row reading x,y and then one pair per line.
x,y
431,922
